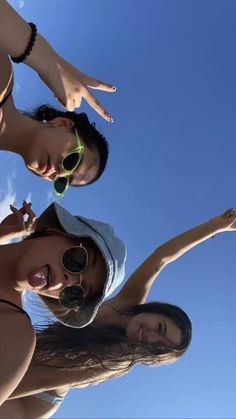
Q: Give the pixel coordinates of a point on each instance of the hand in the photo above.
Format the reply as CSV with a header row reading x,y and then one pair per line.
x,y
70,86
224,222
14,224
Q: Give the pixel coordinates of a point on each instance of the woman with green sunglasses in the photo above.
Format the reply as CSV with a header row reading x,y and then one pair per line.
x,y
63,147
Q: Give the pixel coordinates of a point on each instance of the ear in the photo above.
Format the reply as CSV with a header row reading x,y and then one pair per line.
x,y
61,122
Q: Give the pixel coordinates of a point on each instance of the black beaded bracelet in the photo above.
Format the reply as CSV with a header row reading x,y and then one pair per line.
x,y
29,47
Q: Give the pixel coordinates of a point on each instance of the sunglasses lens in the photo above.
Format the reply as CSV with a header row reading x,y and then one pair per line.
x,y
70,162
75,259
72,297
60,184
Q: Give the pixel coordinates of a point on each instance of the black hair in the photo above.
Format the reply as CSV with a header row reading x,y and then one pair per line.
x,y
87,130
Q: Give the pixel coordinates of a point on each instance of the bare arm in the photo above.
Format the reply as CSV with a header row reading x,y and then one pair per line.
x,y
16,349
68,84
137,288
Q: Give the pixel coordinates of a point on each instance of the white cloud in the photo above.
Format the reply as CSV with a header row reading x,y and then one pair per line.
x,y
7,198
21,3
17,87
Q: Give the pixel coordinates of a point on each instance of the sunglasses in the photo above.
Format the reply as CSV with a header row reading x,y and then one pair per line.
x,y
74,260
69,164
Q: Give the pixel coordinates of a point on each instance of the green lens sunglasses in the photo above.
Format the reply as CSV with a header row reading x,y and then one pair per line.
x,y
69,164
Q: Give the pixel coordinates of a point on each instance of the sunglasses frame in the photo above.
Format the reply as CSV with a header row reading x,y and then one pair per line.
x,y
60,298
80,150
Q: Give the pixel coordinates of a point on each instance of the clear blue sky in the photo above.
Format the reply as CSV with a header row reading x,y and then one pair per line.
x,y
172,166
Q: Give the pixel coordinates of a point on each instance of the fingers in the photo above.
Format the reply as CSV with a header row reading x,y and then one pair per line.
x,y
229,213
98,84
74,102
96,105
19,218
29,224
21,224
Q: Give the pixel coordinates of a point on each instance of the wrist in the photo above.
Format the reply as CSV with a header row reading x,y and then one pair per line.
x,y
42,56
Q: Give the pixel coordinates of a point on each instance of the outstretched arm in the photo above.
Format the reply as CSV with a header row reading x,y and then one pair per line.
x,y
137,288
68,84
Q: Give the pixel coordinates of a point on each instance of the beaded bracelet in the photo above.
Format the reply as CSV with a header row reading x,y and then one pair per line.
x,y
29,47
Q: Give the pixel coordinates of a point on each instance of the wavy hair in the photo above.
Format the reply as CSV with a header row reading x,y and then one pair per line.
x,y
100,352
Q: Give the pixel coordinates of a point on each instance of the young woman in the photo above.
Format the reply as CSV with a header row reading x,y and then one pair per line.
x,y
126,332
78,263
63,147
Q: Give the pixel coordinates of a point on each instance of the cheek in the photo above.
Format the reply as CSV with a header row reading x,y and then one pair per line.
x,y
132,329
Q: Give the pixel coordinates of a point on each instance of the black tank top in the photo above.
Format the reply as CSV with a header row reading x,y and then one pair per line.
x,y
5,99
16,306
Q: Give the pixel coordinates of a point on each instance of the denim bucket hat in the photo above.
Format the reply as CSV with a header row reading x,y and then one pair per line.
x,y
111,247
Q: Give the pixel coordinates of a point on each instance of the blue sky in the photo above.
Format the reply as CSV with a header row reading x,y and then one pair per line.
x,y
172,166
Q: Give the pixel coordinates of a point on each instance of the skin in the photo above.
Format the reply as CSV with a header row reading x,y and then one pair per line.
x,y
68,84
43,148
135,291
153,328
45,145
48,251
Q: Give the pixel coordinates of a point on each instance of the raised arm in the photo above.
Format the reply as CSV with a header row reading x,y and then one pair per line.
x,y
137,288
68,84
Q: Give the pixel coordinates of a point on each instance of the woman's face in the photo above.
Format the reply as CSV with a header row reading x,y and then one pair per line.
x,y
51,143
153,328
39,268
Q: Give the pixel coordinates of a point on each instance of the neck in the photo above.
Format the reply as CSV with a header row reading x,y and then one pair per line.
x,y
18,130
9,254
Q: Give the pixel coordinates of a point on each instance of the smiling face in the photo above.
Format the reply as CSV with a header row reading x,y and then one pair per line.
x,y
51,143
153,328
39,268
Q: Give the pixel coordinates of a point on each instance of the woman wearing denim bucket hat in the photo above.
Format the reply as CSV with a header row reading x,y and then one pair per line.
x,y
71,262
126,332
76,305
62,147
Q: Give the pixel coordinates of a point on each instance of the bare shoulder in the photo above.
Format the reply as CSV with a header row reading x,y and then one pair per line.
x,y
110,310
18,340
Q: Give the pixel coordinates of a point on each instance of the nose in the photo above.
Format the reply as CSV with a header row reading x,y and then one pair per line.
x,y
150,336
72,279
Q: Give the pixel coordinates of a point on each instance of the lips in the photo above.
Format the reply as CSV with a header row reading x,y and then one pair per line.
x,y
40,277
46,169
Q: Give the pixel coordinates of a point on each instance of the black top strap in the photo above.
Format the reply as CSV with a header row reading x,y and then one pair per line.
x,y
5,99
16,306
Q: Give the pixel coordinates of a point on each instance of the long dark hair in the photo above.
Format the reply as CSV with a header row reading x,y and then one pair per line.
x,y
105,351
88,132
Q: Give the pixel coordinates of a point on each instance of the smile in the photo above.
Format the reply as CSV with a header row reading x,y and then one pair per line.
x,y
47,169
